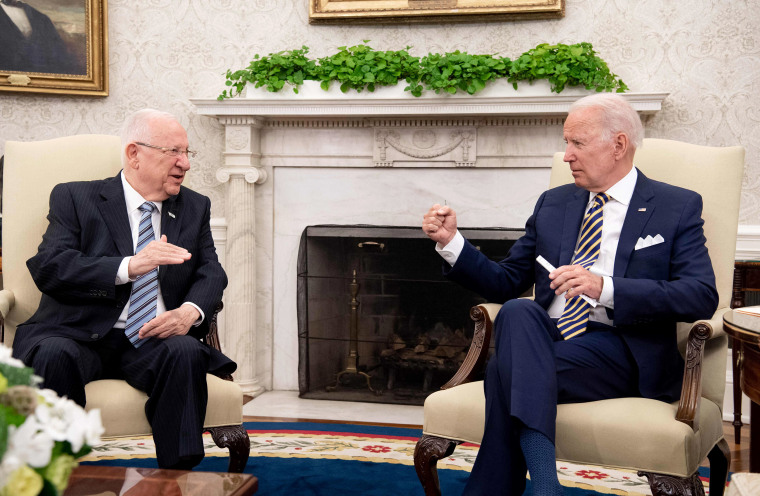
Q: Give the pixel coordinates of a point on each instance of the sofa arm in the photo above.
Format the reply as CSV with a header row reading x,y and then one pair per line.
x,y
691,389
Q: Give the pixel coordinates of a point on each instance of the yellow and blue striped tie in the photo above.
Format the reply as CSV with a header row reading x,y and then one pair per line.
x,y
574,319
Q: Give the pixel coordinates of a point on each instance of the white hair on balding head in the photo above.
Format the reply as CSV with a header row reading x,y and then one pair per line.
x,y
618,116
136,127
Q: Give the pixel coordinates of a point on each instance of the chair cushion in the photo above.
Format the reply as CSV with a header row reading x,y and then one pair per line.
x,y
607,432
122,407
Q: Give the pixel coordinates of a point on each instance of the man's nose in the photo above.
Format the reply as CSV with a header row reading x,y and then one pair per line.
x,y
568,154
184,162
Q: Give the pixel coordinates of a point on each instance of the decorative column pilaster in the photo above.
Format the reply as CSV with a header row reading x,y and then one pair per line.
x,y
241,172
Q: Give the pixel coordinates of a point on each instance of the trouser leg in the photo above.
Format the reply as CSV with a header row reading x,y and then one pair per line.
x,y
520,389
172,372
65,366
596,365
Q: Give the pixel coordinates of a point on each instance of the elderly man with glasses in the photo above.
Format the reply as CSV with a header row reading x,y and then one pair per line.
x,y
130,278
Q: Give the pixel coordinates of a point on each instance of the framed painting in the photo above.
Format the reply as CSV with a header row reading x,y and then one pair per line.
x,y
54,46
407,11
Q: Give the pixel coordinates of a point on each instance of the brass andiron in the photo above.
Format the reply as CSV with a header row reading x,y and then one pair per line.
x,y
352,361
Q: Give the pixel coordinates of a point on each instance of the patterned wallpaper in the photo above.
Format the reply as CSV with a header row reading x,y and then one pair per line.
x,y
706,53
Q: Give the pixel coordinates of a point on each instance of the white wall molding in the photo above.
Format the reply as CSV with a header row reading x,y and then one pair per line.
x,y
748,242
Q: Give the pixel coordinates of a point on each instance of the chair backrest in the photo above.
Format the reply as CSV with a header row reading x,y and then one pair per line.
x,y
716,174
30,172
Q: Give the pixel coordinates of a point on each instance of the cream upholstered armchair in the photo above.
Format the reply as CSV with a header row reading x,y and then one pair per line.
x,y
665,442
31,171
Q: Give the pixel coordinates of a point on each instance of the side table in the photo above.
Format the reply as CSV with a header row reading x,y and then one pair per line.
x,y
88,480
746,279
745,331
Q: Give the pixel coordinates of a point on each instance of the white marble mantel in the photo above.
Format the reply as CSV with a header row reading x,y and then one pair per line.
x,y
293,160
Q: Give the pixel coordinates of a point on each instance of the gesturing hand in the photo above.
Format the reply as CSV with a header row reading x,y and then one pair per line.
x,y
440,224
154,254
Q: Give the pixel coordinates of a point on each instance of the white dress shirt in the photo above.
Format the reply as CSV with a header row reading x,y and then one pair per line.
x,y
19,18
134,200
614,212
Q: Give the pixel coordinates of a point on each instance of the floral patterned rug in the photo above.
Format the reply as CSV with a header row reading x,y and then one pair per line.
x,y
375,444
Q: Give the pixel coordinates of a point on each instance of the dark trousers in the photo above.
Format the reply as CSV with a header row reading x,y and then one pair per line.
x,y
533,369
171,371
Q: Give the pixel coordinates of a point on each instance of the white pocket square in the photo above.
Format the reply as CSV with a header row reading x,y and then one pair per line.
x,y
648,241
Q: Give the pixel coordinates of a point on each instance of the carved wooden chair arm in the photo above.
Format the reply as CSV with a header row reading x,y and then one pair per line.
x,y
477,355
212,337
691,389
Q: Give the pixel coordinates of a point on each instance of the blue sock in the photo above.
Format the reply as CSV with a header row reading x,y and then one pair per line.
x,y
541,461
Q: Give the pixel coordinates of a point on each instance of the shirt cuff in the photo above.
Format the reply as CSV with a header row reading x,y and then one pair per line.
x,y
200,319
122,275
451,251
607,298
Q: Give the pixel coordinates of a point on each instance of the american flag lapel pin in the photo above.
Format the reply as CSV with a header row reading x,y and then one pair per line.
x,y
643,209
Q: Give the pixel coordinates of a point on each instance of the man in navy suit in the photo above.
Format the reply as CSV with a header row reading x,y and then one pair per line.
x,y
86,266
652,271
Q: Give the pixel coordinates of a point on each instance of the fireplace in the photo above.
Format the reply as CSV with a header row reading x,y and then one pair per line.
x,y
289,164
377,321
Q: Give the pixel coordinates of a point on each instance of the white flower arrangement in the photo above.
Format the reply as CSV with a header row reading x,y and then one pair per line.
x,y
41,435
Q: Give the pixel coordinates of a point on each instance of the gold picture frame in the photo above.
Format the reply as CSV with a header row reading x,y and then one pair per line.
x,y
409,11
61,47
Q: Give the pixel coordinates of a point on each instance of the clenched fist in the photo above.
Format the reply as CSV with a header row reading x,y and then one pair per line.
x,y
440,224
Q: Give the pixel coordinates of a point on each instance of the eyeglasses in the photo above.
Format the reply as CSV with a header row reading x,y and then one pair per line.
x,y
172,152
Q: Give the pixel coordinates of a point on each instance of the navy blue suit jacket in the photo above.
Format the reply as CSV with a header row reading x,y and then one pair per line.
x,y
87,237
655,287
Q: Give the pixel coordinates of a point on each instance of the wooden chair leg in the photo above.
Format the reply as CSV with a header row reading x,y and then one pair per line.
x,y
235,438
670,485
737,391
428,451
720,463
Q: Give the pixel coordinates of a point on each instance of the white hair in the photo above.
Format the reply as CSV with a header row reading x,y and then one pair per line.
x,y
136,127
618,116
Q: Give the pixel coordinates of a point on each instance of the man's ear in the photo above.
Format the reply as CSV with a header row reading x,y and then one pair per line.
x,y
131,152
622,145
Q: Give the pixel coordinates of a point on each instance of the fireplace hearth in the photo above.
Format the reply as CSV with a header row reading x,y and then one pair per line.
x,y
377,321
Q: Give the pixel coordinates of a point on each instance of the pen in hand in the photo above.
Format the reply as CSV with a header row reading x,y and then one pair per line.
x,y
545,264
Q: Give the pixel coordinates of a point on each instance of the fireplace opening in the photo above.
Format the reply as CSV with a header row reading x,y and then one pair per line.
x,y
377,321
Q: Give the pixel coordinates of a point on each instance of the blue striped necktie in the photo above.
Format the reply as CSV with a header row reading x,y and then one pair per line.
x,y
574,319
142,301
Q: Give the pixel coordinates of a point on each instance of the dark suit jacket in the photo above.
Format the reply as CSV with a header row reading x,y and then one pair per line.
x,y
655,287
43,51
87,237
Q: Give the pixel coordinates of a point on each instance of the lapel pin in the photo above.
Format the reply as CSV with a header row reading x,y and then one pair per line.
x,y
640,210
171,215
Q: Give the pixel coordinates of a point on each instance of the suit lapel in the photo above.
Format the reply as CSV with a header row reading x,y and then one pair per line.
x,y
170,225
113,208
639,212
572,225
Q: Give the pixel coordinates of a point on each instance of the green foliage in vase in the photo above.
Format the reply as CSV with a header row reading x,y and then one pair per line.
x,y
565,65
362,68
458,71
273,71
